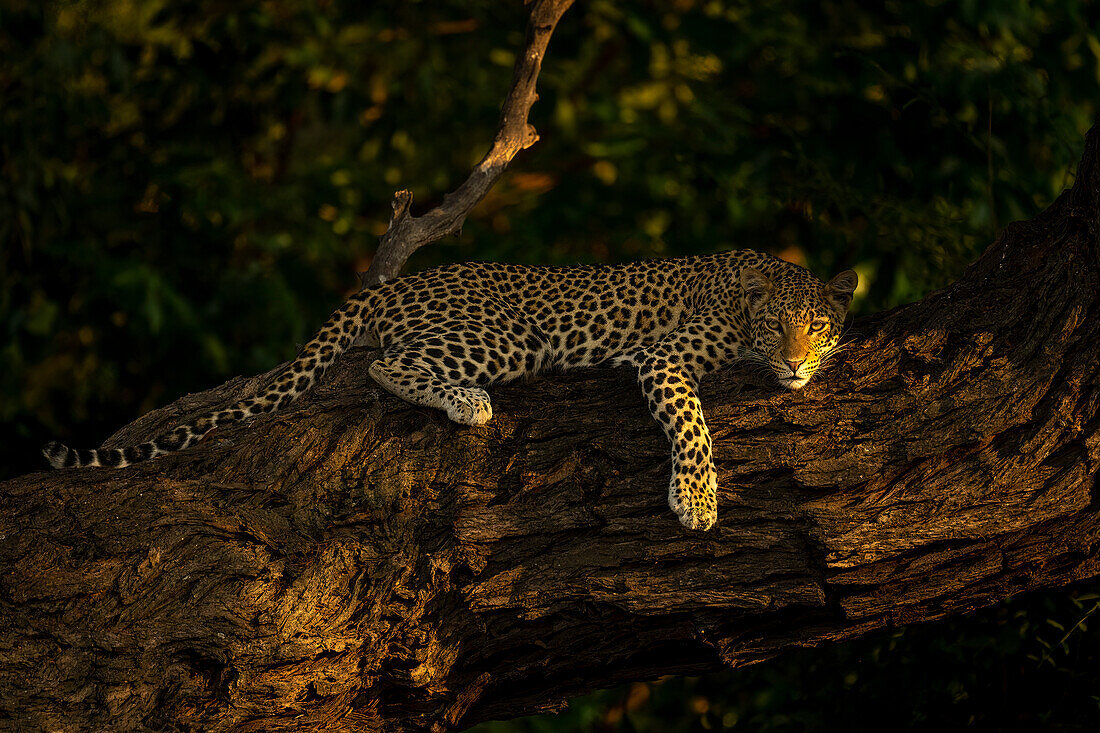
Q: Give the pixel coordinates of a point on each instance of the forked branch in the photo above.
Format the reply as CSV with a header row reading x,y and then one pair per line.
x,y
407,233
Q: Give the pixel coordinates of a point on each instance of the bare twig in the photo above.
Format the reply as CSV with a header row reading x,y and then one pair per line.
x,y
407,233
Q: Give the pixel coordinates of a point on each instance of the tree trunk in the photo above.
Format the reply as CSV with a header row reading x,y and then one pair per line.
x,y
355,563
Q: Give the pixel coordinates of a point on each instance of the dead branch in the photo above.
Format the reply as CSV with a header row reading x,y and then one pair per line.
x,y
407,233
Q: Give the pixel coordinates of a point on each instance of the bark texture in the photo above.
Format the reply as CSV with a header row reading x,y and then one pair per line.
x,y
354,563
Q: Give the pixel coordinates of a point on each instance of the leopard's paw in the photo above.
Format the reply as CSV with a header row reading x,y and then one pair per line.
x,y
468,405
693,495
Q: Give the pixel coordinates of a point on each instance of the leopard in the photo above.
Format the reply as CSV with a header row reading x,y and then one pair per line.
x,y
447,333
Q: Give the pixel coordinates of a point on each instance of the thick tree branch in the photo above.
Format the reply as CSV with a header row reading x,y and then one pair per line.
x,y
407,233
355,563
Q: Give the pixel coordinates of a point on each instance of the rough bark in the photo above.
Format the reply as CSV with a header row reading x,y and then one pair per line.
x,y
354,563
406,233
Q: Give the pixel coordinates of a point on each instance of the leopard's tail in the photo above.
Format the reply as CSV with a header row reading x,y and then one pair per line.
x,y
338,333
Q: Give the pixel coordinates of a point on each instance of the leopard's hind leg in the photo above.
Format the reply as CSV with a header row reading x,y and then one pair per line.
x,y
446,366
428,374
414,380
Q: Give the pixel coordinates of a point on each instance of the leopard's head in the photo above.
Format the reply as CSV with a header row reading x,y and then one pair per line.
x,y
795,319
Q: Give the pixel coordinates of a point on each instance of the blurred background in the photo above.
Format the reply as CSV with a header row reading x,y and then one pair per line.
x,y
187,189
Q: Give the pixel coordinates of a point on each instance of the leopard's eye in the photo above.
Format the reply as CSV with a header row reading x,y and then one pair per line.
x,y
772,323
818,326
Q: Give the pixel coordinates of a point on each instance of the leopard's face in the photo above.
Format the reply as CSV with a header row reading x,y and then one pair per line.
x,y
795,320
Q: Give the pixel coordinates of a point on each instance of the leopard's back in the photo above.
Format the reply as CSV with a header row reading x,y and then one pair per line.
x,y
570,316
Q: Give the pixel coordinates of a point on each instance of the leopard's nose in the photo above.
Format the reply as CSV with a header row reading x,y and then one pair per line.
x,y
794,364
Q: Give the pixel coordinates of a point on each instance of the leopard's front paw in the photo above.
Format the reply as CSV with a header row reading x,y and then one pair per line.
x,y
468,405
693,495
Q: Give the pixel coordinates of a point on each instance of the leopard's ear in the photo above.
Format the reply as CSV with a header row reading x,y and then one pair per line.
x,y
838,291
756,288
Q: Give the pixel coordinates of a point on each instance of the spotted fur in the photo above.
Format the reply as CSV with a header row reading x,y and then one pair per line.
x,y
448,333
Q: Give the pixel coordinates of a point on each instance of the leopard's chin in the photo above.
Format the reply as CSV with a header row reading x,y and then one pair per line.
x,y
794,383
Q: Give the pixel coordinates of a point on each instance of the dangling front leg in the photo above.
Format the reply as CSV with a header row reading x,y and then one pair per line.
x,y
669,385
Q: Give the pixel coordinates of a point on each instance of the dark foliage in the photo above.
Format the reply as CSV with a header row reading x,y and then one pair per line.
x,y
186,190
